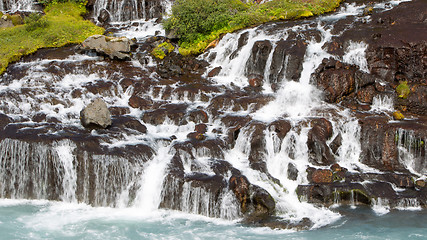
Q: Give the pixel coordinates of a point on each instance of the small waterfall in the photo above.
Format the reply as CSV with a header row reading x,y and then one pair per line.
x,y
356,54
17,5
353,199
411,151
148,196
69,182
380,206
382,103
409,204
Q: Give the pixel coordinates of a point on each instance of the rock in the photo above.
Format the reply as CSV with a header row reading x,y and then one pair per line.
x,y
322,176
201,128
96,114
420,183
292,172
104,16
141,103
281,127
214,72
319,151
255,81
258,58
114,47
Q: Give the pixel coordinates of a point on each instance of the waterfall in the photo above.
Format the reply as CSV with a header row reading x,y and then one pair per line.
x,y
17,5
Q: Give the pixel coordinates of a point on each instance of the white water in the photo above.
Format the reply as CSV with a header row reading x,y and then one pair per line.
x,y
294,101
17,5
382,103
66,156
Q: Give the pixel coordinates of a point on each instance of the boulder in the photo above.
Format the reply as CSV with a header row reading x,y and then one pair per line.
x,y
114,47
96,114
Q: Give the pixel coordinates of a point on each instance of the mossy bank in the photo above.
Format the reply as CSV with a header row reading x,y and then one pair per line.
x,y
198,22
61,25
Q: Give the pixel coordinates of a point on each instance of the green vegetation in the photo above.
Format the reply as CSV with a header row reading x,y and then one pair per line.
x,y
63,24
199,22
403,90
162,50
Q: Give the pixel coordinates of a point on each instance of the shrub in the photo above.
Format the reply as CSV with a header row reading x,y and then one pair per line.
x,y
35,21
192,20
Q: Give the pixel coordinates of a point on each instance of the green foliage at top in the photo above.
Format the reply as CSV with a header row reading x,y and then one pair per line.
x,y
63,24
199,22
50,2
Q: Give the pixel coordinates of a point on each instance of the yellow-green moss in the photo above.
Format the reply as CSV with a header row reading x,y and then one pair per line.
x,y
65,25
162,50
398,115
16,19
403,90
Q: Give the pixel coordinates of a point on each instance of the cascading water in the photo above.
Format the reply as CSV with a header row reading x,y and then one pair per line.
x,y
17,5
181,146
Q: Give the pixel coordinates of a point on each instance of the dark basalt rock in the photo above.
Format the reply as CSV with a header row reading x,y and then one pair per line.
x,y
258,59
319,151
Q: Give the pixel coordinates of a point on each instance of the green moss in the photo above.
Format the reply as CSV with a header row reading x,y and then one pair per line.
x,y
199,22
398,115
403,90
63,24
162,50
16,19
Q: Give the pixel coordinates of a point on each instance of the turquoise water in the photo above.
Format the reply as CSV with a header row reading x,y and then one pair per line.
x,y
20,219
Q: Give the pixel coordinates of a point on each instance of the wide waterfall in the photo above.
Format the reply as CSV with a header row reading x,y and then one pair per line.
x,y
287,125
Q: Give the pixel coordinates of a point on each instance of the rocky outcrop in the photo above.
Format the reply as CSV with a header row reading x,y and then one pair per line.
x,y
114,47
96,114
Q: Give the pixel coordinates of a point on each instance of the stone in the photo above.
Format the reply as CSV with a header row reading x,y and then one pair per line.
x,y
420,183
114,47
96,114
322,176
214,72
292,172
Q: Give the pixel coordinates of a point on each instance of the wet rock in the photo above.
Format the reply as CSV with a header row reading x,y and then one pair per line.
x,y
130,123
287,61
281,127
198,116
258,59
336,143
96,114
196,136
253,200
4,120
141,103
214,72
114,47
321,176
420,183
255,81
173,112
104,17
292,172
201,128
319,151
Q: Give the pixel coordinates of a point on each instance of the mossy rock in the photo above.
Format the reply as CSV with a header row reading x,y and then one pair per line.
x,y
16,19
398,115
162,50
403,90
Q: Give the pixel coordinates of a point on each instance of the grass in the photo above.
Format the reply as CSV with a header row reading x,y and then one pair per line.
x,y
63,24
199,22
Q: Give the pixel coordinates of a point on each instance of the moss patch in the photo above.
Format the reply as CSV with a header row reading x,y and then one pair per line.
x,y
162,50
63,24
403,90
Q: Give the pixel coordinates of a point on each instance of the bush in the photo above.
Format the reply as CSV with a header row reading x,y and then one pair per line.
x,y
35,21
